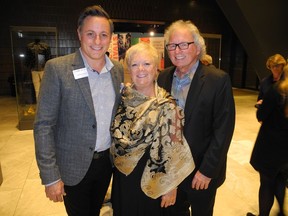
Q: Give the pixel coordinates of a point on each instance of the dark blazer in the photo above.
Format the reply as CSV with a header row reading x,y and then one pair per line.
x,y
270,152
65,127
209,119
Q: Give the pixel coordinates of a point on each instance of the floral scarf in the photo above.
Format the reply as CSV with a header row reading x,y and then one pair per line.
x,y
154,124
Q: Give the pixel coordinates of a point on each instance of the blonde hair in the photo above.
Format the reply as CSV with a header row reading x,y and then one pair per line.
x,y
283,86
283,89
140,48
276,59
207,58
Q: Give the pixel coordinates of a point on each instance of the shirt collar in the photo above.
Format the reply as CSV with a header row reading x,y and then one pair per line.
x,y
190,73
107,67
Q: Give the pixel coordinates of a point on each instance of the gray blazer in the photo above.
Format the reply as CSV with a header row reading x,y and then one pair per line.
x,y
65,124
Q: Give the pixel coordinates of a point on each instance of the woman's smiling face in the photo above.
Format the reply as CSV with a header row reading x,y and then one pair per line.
x,y
143,70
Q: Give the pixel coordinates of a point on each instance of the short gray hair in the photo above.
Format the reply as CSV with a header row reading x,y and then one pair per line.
x,y
198,39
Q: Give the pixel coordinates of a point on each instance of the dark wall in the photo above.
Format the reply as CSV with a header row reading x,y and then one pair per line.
x,y
261,28
63,15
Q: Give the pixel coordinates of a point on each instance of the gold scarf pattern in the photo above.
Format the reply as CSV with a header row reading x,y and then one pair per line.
x,y
154,124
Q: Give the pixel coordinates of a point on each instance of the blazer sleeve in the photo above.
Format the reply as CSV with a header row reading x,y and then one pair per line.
x,y
45,122
223,122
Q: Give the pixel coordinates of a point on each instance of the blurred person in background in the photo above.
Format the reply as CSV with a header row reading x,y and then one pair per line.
x,y
269,156
275,64
207,60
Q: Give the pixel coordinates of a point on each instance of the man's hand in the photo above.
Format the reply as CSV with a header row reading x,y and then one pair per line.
x,y
55,192
200,181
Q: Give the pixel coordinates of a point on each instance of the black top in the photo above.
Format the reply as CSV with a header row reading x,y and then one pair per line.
x,y
270,152
265,85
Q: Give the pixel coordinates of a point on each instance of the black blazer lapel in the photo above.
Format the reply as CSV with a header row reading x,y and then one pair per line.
x,y
166,78
194,92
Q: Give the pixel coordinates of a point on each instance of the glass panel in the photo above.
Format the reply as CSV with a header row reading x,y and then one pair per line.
x,y
31,48
213,47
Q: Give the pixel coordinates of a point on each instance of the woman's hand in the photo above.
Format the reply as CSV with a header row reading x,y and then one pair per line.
x,y
169,198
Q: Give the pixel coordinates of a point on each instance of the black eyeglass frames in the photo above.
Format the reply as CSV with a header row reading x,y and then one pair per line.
x,y
182,46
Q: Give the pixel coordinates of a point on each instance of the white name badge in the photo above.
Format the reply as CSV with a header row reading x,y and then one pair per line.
x,y
80,73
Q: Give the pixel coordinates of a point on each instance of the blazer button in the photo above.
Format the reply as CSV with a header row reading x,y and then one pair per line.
x,y
94,126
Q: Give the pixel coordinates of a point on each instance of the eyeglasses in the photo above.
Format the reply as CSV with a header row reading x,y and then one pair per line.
x,y
182,46
275,66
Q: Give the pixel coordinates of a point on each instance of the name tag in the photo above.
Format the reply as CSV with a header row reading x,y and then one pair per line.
x,y
80,73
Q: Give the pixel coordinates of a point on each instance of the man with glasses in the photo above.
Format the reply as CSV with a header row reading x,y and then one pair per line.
x,y
205,94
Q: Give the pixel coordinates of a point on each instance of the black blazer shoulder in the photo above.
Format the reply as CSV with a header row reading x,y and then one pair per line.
x,y
165,78
203,72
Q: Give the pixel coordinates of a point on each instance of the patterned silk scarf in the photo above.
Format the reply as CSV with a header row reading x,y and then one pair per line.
x,y
155,124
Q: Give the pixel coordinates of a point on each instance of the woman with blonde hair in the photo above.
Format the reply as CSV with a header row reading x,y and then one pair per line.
x,y
275,64
269,155
150,154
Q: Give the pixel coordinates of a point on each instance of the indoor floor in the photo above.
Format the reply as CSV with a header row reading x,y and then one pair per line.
x,y
21,193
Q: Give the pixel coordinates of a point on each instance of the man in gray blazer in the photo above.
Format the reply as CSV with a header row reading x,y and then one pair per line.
x,y
78,99
205,94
